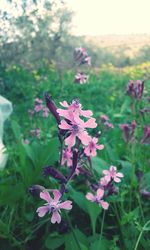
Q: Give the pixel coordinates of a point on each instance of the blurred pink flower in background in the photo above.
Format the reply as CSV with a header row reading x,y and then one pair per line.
x,y
90,150
81,78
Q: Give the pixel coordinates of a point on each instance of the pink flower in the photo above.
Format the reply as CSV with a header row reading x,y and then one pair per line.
x,y
45,112
112,174
81,78
109,125
104,118
38,101
26,141
98,198
103,182
77,129
66,157
36,132
38,108
53,205
90,150
72,110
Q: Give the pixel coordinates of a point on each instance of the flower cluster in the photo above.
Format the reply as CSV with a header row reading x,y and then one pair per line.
x,y
81,57
135,89
39,107
105,187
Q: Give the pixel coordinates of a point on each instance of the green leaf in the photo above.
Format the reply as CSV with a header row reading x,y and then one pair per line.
x,y
79,199
99,165
42,155
93,210
53,242
104,244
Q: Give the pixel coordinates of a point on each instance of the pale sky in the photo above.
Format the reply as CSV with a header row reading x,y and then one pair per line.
x,y
97,17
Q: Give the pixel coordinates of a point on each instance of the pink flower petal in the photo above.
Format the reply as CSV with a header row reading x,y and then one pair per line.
x,y
45,196
119,175
84,137
42,211
99,193
104,204
87,151
117,179
64,125
65,113
66,205
100,147
93,152
113,169
57,195
64,104
90,196
90,123
55,217
86,113
70,140
105,172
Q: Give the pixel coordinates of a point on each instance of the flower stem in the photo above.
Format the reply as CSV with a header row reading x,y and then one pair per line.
x,y
140,235
101,232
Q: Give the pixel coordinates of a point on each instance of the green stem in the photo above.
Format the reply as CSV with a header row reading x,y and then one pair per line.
x,y
140,235
101,232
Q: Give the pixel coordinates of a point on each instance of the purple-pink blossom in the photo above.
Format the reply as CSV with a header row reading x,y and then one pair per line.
x,y
81,78
53,206
90,149
135,89
98,198
67,157
45,112
73,110
76,128
112,174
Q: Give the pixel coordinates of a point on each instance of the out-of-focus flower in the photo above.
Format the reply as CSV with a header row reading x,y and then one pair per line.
x,y
128,131
146,135
31,113
112,174
45,112
26,141
38,105
38,101
67,157
135,89
81,56
53,205
103,182
81,78
90,150
98,198
36,132
38,108
104,118
109,125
